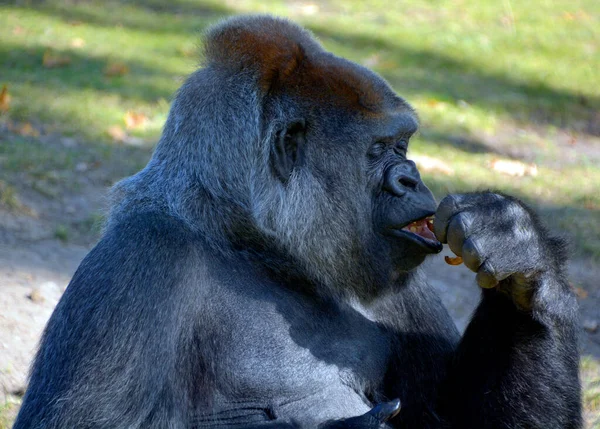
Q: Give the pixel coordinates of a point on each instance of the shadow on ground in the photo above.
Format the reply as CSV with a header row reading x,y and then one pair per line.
x,y
418,71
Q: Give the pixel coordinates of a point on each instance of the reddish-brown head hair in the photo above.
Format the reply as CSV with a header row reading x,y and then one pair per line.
x,y
286,57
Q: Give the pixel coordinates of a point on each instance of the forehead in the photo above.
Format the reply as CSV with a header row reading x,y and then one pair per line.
x,y
340,83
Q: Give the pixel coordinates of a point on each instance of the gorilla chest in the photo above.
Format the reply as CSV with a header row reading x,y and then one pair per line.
x,y
291,349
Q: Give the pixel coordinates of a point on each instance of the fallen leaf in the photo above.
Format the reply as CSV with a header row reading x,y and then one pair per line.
x,y
115,69
135,120
117,133
51,60
513,168
24,129
36,296
77,42
4,99
46,292
432,102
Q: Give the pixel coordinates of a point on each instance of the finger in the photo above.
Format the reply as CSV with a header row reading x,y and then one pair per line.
x,y
486,278
444,212
386,410
456,232
471,255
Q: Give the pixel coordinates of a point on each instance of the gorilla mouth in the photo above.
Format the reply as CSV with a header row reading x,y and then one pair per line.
x,y
421,232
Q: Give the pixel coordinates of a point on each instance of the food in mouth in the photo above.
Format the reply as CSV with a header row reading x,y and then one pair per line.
x,y
456,260
422,227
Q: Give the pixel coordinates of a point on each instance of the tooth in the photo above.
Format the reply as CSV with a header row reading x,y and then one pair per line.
x,y
413,229
430,225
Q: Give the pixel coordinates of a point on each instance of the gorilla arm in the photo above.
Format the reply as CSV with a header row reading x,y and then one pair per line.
x,y
517,363
107,357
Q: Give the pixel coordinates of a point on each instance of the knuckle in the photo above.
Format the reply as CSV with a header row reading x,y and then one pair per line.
x,y
442,216
455,242
472,254
471,247
461,221
452,203
446,207
448,200
485,279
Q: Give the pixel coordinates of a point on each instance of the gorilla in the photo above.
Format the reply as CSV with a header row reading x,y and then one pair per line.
x,y
264,270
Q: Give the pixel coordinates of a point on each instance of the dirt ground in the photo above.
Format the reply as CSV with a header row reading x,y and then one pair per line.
x,y
35,268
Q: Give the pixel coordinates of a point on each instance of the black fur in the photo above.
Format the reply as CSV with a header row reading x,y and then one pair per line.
x,y
255,273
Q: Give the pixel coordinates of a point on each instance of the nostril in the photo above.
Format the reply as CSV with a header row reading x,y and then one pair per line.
x,y
408,182
398,181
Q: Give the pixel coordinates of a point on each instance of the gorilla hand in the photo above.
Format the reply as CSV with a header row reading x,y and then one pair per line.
x,y
374,419
500,239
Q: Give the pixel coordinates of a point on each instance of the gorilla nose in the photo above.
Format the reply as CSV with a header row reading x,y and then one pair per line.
x,y
398,182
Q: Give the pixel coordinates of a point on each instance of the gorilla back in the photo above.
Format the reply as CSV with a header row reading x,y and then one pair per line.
x,y
263,270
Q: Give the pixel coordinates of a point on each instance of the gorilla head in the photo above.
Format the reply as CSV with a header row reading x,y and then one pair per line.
x,y
286,153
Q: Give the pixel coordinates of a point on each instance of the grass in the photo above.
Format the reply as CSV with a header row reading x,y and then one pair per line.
x,y
8,412
590,377
490,80
8,196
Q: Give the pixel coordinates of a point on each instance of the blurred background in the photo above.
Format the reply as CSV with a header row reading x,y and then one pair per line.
x,y
508,94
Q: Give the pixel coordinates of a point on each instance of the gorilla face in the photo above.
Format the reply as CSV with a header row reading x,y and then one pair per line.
x,y
373,210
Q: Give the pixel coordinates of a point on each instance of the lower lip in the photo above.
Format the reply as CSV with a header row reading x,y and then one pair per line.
x,y
430,245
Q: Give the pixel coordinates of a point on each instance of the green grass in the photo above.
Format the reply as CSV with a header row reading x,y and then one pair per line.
x,y
8,412
8,196
590,378
489,79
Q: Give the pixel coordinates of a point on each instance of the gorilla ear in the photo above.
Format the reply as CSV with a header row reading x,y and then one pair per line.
x,y
287,149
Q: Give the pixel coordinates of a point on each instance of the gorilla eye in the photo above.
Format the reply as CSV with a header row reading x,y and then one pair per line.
x,y
377,150
401,147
